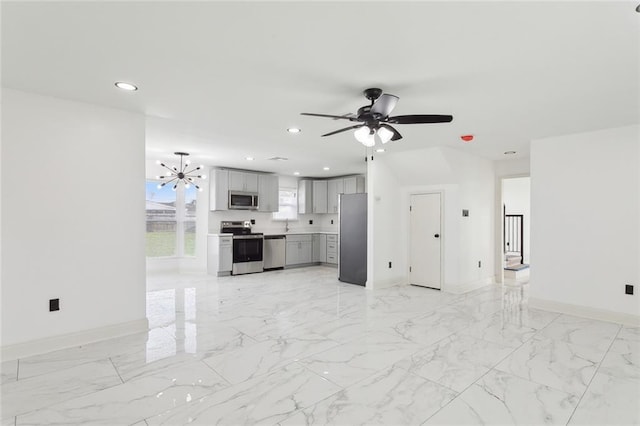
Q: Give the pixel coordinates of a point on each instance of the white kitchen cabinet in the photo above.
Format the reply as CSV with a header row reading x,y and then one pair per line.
x,y
354,185
299,249
219,189
335,187
219,254
332,249
243,181
268,193
322,248
319,196
319,248
305,196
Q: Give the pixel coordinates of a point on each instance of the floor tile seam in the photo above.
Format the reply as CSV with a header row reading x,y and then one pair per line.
x,y
459,395
577,345
215,371
529,379
504,372
297,357
82,362
319,375
489,369
413,373
116,369
495,368
64,401
595,373
513,349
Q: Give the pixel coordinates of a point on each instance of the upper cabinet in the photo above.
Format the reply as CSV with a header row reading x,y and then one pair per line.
x,y
219,189
243,181
319,196
322,196
354,185
224,180
268,193
335,187
305,196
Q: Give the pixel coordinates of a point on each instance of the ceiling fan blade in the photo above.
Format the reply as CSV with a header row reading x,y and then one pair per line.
x,y
420,118
384,104
343,130
396,136
343,117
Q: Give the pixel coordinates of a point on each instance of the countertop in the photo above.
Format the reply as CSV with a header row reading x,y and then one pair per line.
x,y
301,233
282,233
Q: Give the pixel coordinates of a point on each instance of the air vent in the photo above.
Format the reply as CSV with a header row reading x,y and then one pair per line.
x,y
278,158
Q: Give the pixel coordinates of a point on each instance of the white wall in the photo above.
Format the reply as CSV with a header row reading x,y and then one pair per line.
x,y
585,192
384,237
466,182
516,196
72,217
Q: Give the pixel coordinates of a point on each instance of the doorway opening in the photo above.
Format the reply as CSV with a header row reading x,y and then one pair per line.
x,y
516,230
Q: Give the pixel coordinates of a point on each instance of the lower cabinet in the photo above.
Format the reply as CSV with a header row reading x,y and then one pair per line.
x,y
332,249
311,248
299,249
219,254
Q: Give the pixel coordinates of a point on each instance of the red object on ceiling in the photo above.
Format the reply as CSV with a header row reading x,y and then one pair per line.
x,y
467,138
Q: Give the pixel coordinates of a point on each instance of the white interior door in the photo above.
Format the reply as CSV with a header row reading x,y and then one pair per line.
x,y
425,236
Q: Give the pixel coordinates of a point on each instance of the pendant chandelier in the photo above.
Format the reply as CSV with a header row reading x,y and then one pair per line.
x,y
181,173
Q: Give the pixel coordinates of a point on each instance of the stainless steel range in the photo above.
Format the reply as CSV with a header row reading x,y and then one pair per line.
x,y
248,247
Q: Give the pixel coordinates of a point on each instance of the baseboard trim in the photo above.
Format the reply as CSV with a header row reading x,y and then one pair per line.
x,y
389,282
467,287
585,312
63,341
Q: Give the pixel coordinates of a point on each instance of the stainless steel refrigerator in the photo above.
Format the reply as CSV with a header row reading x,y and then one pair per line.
x,y
352,266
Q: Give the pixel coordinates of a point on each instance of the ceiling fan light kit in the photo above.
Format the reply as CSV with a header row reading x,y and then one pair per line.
x,y
374,120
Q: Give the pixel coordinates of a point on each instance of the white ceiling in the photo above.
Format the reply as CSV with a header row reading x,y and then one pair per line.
x,y
224,80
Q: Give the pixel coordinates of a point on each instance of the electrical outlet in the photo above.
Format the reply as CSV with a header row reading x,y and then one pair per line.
x,y
253,221
332,221
479,264
628,289
54,305
310,221
389,265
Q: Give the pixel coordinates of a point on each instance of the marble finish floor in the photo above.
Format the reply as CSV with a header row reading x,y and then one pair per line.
x,y
297,347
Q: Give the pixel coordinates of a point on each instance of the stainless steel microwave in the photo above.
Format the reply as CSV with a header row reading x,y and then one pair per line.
x,y
243,200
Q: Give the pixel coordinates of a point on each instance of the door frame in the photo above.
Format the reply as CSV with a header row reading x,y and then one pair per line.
x,y
442,233
499,225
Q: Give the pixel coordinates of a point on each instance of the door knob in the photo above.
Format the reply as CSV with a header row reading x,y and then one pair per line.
x,y
437,235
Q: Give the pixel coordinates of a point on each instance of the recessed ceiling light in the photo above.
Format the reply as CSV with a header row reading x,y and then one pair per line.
x,y
296,173
325,168
380,150
249,158
126,86
293,130
509,152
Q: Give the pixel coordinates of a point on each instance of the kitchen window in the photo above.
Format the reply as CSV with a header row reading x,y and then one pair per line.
x,y
288,204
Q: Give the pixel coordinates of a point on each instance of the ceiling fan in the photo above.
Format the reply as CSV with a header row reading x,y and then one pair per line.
x,y
374,119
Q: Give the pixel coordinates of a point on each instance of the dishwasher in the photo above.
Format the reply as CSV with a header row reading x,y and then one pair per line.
x,y
275,247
